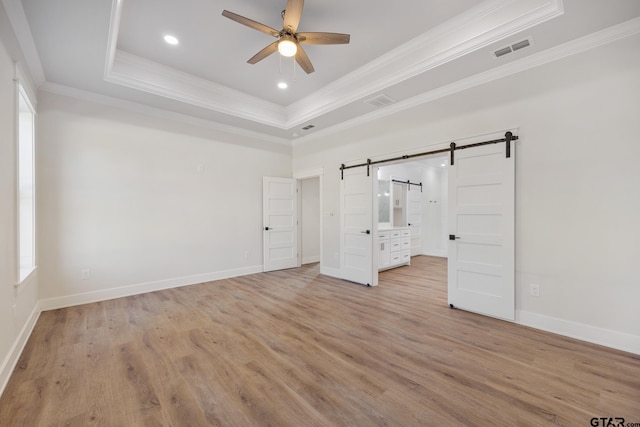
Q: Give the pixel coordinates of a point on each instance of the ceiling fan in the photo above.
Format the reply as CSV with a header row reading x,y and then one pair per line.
x,y
289,40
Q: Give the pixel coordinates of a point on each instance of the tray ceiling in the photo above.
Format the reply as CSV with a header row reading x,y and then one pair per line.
x,y
403,49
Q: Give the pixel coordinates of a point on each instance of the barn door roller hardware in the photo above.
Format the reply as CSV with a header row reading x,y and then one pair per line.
x,y
408,184
508,137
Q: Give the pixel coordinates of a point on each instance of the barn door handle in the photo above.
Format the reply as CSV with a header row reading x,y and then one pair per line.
x,y
366,232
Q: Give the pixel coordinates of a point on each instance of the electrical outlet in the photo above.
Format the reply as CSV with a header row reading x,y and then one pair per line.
x,y
85,274
535,290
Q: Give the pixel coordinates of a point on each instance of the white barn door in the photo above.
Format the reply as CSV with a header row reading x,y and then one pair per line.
x,y
414,218
356,227
482,234
280,223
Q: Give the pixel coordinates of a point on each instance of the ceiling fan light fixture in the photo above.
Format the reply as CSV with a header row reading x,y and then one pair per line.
x,y
287,48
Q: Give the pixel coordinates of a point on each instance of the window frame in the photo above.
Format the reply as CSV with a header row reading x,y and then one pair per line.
x,y
23,100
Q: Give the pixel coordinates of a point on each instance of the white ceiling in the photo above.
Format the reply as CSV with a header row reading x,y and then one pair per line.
x,y
410,50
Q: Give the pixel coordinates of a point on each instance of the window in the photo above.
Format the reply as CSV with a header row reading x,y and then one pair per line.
x,y
26,185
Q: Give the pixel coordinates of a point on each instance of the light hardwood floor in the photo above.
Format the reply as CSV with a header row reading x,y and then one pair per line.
x,y
294,348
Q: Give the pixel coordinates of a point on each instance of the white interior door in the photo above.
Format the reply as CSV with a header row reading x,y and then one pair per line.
x,y
481,228
356,227
280,223
414,218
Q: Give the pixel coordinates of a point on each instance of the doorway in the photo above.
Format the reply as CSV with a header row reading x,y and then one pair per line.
x,y
420,205
292,220
481,227
309,219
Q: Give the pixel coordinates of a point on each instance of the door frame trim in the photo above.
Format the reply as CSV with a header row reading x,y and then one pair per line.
x,y
299,176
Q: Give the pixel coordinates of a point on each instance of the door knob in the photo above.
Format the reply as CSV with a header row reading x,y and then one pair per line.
x,y
266,228
366,232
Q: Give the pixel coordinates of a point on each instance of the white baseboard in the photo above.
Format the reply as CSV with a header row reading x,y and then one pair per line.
x,y
10,361
442,253
141,288
328,271
310,259
606,337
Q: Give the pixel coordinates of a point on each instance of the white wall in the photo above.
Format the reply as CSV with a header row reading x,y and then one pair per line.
x,y
577,174
401,171
144,203
310,211
17,307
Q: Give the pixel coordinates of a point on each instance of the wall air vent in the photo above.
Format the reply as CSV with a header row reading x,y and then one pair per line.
x,y
307,127
380,101
512,48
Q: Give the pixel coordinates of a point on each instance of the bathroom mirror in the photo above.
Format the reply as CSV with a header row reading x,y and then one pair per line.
x,y
384,203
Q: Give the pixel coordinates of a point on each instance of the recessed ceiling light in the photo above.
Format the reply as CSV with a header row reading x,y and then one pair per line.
x,y
283,85
172,40
295,135
443,165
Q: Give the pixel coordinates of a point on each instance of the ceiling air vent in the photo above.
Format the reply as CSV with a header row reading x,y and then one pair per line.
x,y
512,48
307,127
503,51
380,101
520,45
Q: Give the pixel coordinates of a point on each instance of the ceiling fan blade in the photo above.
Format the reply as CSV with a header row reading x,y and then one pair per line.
x,y
323,38
292,15
251,23
273,47
304,61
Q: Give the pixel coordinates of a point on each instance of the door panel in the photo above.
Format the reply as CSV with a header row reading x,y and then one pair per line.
x,y
481,217
356,218
414,219
280,218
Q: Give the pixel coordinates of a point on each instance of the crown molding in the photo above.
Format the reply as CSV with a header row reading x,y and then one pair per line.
x,y
159,113
582,44
490,21
22,30
112,37
129,70
139,73
480,26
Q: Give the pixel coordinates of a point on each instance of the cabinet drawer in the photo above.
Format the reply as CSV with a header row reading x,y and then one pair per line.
x,y
396,245
395,233
396,258
383,235
405,256
405,243
405,233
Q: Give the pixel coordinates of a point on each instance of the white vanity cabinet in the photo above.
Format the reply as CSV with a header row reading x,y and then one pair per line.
x,y
394,247
384,250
